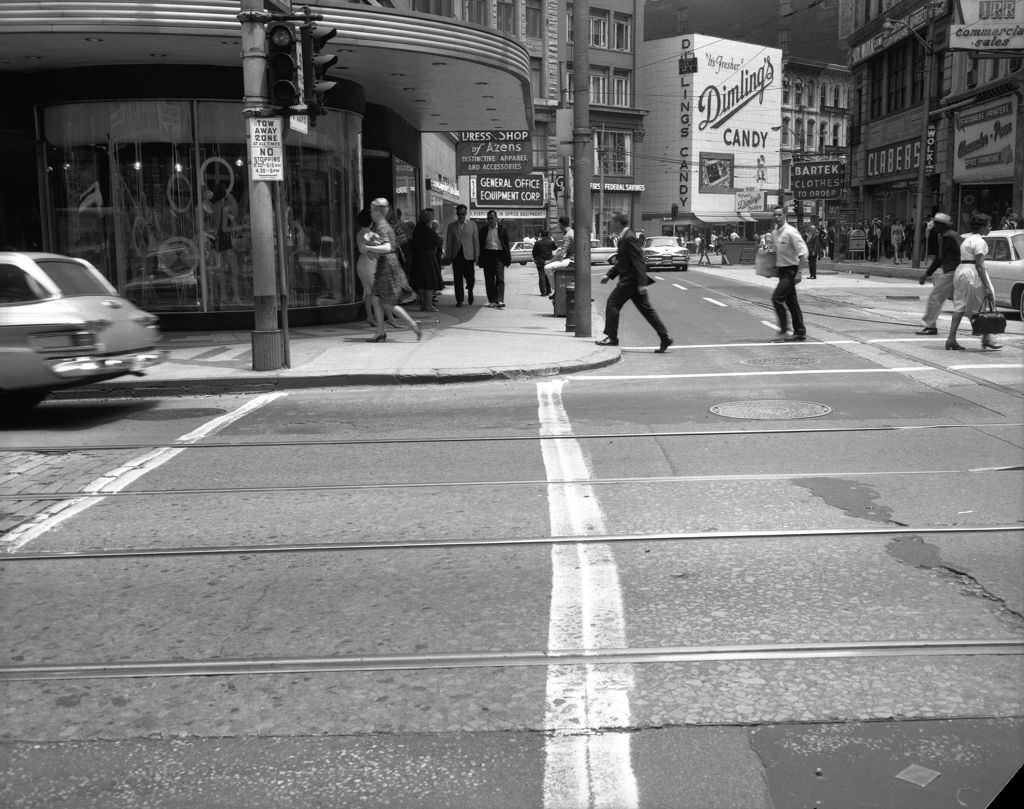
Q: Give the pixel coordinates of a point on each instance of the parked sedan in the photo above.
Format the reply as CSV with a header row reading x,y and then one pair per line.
x,y
62,324
600,254
1005,265
666,252
522,252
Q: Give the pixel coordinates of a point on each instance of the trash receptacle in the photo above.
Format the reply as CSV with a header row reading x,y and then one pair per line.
x,y
563,276
570,307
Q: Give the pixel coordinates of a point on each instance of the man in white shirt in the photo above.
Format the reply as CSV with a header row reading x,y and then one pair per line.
x,y
790,249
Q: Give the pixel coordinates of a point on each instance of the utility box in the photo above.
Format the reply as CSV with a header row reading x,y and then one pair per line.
x,y
563,278
570,307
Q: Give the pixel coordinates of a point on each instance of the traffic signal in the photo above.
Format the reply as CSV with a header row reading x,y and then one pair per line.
x,y
283,84
315,66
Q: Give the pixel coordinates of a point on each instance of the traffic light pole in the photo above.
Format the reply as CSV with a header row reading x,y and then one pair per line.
x,y
267,346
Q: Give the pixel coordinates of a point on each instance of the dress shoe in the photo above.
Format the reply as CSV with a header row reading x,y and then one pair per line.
x,y
500,305
796,338
458,304
927,330
469,298
379,338
666,341
607,341
954,346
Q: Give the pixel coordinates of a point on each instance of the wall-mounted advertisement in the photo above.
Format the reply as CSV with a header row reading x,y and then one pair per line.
x,y
987,25
983,141
717,134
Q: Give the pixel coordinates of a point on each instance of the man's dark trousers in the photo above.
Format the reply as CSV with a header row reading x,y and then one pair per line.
x,y
494,275
617,299
784,298
463,271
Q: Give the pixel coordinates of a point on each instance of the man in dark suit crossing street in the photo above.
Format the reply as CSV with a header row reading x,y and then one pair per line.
x,y
631,270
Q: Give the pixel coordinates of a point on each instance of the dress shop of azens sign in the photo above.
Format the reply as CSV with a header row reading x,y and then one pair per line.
x,y
494,152
983,141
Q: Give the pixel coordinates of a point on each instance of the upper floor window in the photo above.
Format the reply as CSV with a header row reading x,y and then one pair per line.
x,y
569,24
442,8
785,91
896,90
476,11
534,19
506,15
823,101
876,78
785,132
622,32
613,153
599,85
599,29
837,135
809,142
836,98
798,93
537,78
540,143
810,94
822,135
622,88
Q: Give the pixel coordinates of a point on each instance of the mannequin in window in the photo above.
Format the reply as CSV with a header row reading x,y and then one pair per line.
x,y
225,220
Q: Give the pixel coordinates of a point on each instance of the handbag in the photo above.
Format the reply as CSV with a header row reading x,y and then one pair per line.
x,y
764,264
988,321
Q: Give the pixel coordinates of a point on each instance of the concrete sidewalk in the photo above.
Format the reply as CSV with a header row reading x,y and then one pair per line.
x,y
467,344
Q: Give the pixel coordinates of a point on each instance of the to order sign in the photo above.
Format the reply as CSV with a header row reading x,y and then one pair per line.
x,y
823,179
266,149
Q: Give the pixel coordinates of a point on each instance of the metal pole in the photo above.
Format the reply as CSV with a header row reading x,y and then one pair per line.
x,y
266,337
929,56
282,275
583,160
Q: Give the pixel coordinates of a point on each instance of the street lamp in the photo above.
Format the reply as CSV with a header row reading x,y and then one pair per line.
x,y
929,53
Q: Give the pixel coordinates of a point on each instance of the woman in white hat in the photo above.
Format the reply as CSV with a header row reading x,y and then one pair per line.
x,y
971,287
389,281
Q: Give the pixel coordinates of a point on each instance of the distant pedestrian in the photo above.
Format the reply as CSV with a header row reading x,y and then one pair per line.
x,y
790,248
389,281
702,251
461,250
543,251
945,262
897,235
813,250
972,289
495,256
631,270
425,261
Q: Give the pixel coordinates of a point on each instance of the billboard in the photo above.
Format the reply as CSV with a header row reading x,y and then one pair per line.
x,y
983,141
494,152
507,190
823,179
987,25
717,133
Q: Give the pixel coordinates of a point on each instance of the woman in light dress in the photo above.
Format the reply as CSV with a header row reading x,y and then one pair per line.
x,y
971,286
368,244
389,281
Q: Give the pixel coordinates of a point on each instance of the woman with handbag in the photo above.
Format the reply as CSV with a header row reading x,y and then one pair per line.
x,y
972,291
390,286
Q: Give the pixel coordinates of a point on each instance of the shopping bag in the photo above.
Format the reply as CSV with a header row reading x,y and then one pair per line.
x,y
764,264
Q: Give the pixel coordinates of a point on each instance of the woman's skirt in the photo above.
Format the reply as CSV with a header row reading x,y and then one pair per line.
x,y
968,290
389,281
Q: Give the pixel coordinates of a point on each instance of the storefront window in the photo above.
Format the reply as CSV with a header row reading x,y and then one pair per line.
x,y
156,195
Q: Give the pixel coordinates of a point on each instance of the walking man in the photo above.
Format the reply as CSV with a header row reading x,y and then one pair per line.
x,y
462,249
495,256
790,248
946,260
631,270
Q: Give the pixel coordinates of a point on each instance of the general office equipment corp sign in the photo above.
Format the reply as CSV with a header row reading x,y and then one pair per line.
x,y
507,191
494,152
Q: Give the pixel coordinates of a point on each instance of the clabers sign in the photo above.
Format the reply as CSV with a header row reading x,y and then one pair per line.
x,y
825,179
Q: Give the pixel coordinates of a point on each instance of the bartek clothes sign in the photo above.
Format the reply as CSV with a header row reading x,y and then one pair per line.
x,y
720,125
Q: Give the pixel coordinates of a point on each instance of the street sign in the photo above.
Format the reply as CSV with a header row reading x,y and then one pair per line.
x,y
823,179
266,149
494,152
687,65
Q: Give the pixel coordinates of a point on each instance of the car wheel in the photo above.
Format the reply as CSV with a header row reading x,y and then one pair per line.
x,y
685,267
1020,303
20,402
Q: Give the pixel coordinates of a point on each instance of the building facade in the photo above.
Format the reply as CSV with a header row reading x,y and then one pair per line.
x,y
126,143
928,105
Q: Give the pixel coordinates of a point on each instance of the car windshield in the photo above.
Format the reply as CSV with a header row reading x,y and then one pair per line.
x,y
663,241
74,279
1018,244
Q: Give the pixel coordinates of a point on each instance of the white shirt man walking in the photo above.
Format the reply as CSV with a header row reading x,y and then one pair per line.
x,y
790,248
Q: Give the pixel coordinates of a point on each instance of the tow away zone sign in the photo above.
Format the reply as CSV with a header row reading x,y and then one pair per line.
x,y
266,149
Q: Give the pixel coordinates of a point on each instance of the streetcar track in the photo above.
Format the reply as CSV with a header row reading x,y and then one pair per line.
x,y
306,442
460,484
512,659
485,542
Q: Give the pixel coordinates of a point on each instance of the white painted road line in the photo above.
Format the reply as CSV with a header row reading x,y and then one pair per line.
x,y
118,479
717,303
585,765
679,286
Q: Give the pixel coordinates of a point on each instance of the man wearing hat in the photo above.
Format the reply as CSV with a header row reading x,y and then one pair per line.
x,y
947,258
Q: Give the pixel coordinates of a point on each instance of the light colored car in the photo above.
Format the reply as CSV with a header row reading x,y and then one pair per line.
x,y
63,324
522,252
599,254
666,252
1005,266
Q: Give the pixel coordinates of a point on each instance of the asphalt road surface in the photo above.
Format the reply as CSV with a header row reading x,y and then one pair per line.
x,y
743,574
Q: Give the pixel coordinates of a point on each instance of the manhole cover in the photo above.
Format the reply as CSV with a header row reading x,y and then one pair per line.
x,y
767,409
782,362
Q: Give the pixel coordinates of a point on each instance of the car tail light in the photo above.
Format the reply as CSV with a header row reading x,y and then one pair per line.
x,y
77,341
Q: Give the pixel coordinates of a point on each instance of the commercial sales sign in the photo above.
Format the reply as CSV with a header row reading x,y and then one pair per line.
x,y
507,190
494,152
823,179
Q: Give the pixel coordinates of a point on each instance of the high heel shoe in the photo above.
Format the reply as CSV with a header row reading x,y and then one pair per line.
x,y
378,338
416,327
954,346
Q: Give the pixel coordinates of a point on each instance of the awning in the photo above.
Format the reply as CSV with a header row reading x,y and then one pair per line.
x,y
718,218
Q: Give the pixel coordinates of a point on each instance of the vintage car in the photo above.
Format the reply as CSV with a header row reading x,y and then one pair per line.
x,y
1005,266
666,253
63,324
